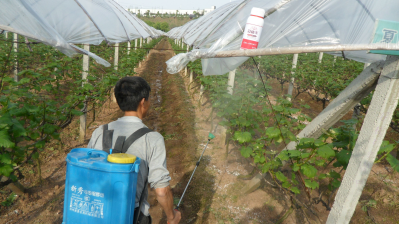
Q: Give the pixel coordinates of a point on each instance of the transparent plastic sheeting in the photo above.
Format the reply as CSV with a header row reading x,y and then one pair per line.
x,y
288,23
60,23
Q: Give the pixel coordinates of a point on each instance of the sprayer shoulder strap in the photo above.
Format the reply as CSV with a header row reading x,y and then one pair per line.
x,y
133,137
107,138
122,144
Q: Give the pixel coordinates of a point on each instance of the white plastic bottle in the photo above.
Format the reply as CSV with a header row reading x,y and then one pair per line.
x,y
253,29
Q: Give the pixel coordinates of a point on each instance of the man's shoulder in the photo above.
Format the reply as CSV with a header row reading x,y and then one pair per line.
x,y
154,136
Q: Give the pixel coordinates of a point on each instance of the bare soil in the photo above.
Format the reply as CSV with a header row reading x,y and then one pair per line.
x,y
214,194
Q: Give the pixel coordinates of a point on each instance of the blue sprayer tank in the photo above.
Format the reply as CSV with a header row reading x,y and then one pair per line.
x,y
98,191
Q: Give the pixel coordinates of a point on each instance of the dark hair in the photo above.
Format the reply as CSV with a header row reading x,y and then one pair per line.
x,y
129,91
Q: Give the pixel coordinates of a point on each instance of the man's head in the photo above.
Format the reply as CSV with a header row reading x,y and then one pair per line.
x,y
132,95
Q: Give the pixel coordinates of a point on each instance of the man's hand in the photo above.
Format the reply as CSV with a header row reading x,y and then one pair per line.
x,y
177,217
165,199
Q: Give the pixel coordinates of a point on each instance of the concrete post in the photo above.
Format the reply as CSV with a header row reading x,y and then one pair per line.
x,y
116,57
321,57
16,57
85,73
343,103
375,126
291,85
230,82
128,47
191,76
201,91
135,44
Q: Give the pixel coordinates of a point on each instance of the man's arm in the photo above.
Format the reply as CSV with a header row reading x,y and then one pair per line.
x,y
165,199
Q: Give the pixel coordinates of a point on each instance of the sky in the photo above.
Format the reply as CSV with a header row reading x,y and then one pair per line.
x,y
172,4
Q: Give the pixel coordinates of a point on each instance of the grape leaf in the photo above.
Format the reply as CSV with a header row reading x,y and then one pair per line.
x,y
326,151
6,170
295,190
306,143
5,140
309,170
76,112
242,137
343,157
393,162
386,147
266,167
311,184
246,151
272,132
5,158
280,176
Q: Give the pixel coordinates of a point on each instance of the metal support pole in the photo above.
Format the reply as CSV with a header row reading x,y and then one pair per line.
x,y
85,73
135,44
141,42
375,125
128,47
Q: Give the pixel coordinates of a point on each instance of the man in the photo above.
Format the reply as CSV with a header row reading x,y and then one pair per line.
x,y
132,96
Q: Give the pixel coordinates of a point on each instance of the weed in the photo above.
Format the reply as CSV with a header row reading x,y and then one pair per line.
x,y
367,204
170,137
9,201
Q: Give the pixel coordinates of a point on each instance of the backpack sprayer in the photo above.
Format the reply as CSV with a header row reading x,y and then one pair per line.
x,y
210,137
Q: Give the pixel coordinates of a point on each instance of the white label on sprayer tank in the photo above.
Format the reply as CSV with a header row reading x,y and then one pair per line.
x,y
80,202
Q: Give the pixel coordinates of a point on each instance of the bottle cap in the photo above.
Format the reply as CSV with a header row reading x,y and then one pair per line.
x,y
121,158
258,12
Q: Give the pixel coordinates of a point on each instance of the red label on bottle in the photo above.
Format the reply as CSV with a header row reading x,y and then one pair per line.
x,y
248,44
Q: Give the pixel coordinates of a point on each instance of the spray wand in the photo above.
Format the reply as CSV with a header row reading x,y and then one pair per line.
x,y
210,137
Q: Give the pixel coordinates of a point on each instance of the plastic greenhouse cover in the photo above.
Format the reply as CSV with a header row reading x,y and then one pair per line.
x,y
31,25
294,23
63,22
